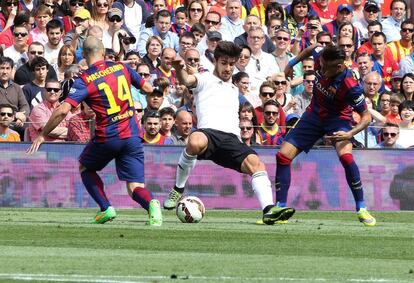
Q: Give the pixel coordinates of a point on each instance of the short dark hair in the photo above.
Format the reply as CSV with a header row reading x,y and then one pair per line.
x,y
162,13
6,105
53,24
379,34
323,33
181,9
38,61
271,102
333,53
396,1
308,73
199,27
374,23
6,60
406,104
388,124
151,114
188,34
132,52
239,76
167,111
227,48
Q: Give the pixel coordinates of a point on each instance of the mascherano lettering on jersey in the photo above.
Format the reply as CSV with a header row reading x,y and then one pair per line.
x,y
104,72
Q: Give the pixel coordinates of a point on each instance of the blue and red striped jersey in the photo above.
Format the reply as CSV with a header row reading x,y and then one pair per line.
x,y
106,87
335,98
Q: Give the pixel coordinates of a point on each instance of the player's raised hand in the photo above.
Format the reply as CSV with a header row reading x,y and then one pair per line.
x,y
178,64
35,145
339,136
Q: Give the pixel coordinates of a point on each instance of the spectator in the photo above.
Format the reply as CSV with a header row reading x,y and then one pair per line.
x,y
298,16
165,69
283,97
269,131
244,59
384,63
406,111
66,57
368,137
99,13
186,41
42,15
180,24
132,59
69,22
25,74
261,65
139,112
54,31
247,132
307,34
324,9
266,92
156,98
153,47
254,21
232,25
219,7
152,126
365,64
371,13
162,29
43,111
71,72
343,14
192,61
143,70
242,81
348,46
407,63
11,93
358,10
407,86
207,60
21,19
267,12
390,136
303,100
388,110
366,47
8,11
79,126
401,48
199,31
391,26
183,128
212,22
76,36
17,52
167,116
157,5
273,25
396,82
6,118
282,54
135,14
346,29
35,90
372,84
196,12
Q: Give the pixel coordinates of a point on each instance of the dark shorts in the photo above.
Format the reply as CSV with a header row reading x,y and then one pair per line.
x,y
128,155
310,129
225,149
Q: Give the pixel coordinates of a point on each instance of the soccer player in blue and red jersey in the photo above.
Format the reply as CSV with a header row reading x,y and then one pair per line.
x,y
336,92
105,87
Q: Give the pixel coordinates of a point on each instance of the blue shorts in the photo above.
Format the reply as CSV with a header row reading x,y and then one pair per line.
x,y
128,155
310,129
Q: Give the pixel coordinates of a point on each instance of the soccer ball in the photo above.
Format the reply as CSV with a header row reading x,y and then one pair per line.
x,y
190,210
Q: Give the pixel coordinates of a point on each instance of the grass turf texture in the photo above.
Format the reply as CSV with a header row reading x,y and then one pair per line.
x,y
44,245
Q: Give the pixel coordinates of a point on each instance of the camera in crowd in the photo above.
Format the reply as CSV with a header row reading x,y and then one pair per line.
x,y
127,39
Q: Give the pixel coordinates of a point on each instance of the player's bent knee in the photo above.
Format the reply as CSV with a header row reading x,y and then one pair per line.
x,y
197,143
283,159
346,159
252,164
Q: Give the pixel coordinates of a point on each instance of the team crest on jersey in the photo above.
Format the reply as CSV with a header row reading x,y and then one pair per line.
x,y
72,90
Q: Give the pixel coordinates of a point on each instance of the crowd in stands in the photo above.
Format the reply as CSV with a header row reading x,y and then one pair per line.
x,y
41,54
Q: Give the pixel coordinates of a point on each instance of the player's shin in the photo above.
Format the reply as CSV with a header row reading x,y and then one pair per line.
x,y
142,196
185,164
262,188
353,179
94,185
282,182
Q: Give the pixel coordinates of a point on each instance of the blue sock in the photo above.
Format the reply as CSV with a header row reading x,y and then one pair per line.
x,y
282,182
353,179
95,188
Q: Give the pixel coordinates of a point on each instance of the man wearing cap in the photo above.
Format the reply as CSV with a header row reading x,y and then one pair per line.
x,y
401,48
115,37
396,79
391,26
253,20
77,36
370,12
207,59
343,14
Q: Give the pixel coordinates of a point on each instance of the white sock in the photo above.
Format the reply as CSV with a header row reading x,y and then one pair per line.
x,y
185,164
262,188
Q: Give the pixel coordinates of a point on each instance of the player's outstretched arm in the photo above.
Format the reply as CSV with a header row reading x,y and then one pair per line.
x,y
182,75
307,52
57,116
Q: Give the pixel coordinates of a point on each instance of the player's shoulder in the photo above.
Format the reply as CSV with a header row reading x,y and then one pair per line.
x,y
350,79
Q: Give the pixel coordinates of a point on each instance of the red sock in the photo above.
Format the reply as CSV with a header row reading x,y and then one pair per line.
x,y
142,196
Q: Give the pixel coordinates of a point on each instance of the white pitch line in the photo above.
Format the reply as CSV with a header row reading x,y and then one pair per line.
x,y
141,279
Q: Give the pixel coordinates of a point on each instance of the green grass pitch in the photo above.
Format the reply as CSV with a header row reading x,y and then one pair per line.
x,y
59,245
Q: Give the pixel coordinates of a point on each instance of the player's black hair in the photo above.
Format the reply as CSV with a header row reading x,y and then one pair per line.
x,y
333,53
227,48
38,61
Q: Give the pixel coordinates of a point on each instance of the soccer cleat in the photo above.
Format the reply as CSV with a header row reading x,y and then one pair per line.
x,y
155,215
104,216
276,214
366,218
280,222
172,200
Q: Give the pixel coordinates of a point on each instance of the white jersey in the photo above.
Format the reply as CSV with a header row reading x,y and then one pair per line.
x,y
217,104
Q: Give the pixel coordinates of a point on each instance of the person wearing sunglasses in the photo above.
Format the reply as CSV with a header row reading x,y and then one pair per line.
x,y
218,136
6,118
329,115
77,35
18,51
8,11
99,13
11,93
269,131
401,48
370,13
390,135
247,132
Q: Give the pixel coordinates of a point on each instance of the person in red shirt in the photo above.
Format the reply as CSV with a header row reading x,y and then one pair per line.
x,y
152,126
79,126
325,10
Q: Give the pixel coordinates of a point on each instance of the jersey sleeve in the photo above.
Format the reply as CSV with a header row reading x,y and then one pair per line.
x,y
136,80
356,98
77,93
201,81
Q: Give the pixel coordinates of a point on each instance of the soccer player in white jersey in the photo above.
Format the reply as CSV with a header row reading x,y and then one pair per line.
x,y
218,136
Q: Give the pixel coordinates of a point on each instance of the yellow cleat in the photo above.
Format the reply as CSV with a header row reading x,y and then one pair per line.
x,y
366,218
